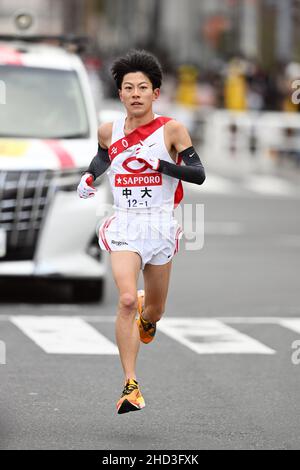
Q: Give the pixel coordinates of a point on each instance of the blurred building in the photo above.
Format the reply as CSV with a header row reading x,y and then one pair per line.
x,y
201,31
126,24
194,31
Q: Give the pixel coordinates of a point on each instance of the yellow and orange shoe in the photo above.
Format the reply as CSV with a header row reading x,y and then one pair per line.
x,y
147,329
131,398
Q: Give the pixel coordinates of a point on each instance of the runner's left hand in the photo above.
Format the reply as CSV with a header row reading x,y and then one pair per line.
x,y
144,155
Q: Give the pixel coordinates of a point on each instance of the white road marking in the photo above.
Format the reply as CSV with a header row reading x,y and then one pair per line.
x,y
209,336
255,320
259,185
73,335
112,318
214,184
269,185
64,335
2,352
246,320
218,228
292,324
224,228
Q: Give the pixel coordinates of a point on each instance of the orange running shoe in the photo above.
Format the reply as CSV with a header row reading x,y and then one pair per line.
x,y
147,329
131,398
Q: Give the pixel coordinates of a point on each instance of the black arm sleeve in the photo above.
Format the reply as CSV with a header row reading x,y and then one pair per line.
x,y
193,172
100,163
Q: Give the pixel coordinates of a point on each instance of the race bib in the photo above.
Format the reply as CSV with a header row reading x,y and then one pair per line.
x,y
138,191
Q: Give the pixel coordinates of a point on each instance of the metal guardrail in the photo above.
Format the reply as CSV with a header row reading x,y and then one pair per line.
x,y
244,142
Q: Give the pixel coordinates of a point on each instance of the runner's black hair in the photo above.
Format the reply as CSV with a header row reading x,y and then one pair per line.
x,y
137,61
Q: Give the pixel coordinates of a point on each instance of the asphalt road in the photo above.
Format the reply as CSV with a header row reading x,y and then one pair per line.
x,y
235,294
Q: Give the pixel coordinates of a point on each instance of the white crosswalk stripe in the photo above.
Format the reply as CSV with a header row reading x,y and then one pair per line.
x,y
64,335
259,185
76,335
270,185
292,324
211,337
216,184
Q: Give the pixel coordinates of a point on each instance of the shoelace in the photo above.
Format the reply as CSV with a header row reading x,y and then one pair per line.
x,y
129,388
146,324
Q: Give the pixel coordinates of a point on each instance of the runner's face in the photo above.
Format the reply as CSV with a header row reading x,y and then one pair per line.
x,y
137,94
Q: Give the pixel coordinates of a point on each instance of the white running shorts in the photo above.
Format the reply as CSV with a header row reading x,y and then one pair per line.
x,y
156,242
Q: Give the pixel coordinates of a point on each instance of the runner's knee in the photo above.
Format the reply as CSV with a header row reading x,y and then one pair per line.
x,y
128,303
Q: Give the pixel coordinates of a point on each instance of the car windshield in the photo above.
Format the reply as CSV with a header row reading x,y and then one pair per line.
x,y
41,103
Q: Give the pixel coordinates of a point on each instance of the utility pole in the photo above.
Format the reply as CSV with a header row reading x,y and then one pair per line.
x,y
284,30
73,16
249,28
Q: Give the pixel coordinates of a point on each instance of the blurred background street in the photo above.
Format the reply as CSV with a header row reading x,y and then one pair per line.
x,y
224,370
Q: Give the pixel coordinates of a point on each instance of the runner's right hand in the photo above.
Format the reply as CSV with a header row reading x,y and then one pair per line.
x,y
85,188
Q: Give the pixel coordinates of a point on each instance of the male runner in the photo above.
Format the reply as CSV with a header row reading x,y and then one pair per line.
x,y
144,152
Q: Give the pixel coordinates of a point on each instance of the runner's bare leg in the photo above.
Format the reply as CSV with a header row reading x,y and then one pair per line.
x,y
156,284
126,269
